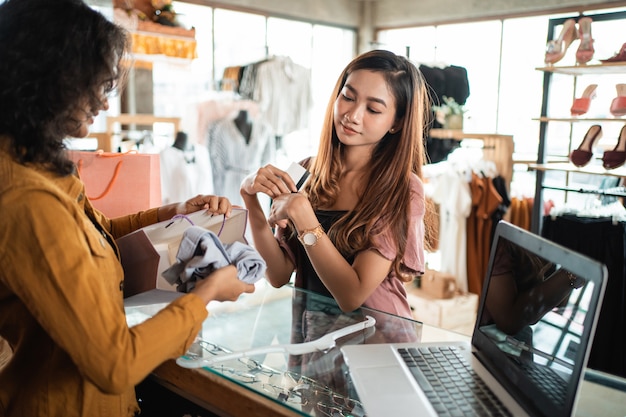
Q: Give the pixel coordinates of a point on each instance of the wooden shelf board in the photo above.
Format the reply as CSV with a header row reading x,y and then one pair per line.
x,y
580,119
607,68
460,134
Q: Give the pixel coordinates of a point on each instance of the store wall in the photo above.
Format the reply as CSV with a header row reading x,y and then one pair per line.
x,y
395,13
398,13
367,16
335,12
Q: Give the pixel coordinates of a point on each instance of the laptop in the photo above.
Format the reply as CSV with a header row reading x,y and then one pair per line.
x,y
535,324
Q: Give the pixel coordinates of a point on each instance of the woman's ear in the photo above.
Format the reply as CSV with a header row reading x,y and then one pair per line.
x,y
396,127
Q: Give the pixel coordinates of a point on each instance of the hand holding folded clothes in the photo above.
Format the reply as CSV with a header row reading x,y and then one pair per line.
x,y
201,252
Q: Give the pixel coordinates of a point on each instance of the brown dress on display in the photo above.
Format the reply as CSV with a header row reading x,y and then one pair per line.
x,y
485,201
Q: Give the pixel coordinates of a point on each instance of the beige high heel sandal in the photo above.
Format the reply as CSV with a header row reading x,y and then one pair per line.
x,y
556,48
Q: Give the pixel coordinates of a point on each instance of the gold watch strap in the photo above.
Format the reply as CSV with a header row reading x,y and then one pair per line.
x,y
318,231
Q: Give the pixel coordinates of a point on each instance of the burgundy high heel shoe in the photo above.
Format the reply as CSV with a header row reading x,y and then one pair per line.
x,y
618,57
616,158
581,156
585,49
556,48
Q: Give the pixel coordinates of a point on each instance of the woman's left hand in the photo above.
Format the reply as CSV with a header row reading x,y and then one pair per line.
x,y
285,206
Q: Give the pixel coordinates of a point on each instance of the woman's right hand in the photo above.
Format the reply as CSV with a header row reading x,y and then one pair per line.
x,y
221,285
269,180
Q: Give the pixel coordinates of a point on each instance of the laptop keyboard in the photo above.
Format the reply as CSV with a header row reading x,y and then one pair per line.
x,y
451,385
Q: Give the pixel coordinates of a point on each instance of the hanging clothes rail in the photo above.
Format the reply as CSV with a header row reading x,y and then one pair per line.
x,y
496,148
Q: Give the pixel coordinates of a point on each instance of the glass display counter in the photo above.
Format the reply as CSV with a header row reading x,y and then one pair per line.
x,y
277,383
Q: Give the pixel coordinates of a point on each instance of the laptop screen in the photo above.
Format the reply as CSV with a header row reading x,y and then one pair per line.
x,y
537,318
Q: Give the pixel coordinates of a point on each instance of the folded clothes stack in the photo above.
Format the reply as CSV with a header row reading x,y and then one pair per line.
x,y
201,252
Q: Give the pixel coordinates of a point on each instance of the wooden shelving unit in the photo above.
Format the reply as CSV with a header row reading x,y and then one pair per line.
x,y
106,140
496,148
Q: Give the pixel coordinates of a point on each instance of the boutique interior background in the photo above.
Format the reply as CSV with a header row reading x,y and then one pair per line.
x,y
500,43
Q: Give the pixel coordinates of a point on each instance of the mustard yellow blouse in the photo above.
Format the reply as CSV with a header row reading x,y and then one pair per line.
x,y
61,306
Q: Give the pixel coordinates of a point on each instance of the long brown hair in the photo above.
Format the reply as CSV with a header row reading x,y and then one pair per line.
x,y
394,160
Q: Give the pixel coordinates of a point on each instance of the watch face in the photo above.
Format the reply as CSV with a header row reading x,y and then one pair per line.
x,y
309,239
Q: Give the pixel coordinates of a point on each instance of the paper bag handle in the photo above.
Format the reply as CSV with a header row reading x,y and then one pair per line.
x,y
116,171
180,216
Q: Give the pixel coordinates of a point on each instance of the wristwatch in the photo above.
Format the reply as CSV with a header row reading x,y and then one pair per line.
x,y
309,237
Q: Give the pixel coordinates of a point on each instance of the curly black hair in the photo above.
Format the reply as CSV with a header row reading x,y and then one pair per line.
x,y
54,56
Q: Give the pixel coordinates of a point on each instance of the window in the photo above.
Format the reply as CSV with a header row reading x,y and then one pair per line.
x,y
227,38
239,39
501,57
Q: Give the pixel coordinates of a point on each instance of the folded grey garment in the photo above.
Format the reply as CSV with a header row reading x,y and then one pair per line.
x,y
201,252
250,266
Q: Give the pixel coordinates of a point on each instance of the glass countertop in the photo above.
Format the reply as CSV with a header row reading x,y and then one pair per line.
x,y
312,384
315,383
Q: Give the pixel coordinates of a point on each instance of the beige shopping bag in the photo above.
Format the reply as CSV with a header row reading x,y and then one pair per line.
x,y
149,251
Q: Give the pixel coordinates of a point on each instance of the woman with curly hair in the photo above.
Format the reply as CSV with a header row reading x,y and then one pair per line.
x,y
356,230
61,280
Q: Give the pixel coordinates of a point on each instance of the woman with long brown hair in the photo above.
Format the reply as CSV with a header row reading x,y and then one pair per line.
x,y
356,230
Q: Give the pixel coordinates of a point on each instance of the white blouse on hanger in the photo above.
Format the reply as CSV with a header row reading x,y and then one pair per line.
x,y
452,192
233,158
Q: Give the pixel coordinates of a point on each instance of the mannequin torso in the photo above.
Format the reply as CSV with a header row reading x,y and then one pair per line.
x,y
244,124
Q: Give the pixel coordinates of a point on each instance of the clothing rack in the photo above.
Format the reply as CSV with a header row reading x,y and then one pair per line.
x,y
280,86
496,148
609,192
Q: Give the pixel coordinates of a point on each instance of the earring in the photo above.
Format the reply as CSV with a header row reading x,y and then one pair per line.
x,y
392,130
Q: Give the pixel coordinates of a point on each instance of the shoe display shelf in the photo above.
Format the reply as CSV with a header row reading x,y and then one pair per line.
x,y
550,164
